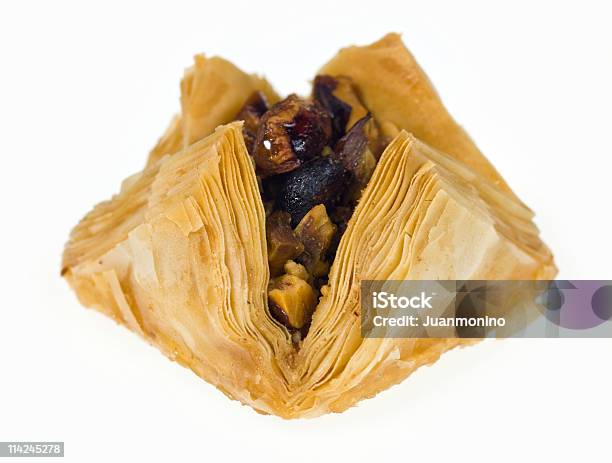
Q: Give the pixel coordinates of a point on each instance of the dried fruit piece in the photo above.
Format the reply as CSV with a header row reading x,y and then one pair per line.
x,y
316,232
339,97
340,111
318,182
283,245
291,132
353,152
291,301
252,110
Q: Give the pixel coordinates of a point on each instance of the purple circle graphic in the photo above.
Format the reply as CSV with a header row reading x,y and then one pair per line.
x,y
601,302
580,309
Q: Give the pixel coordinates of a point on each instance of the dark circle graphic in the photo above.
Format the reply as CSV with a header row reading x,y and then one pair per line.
x,y
554,298
601,302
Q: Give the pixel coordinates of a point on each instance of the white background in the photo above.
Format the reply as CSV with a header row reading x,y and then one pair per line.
x,y
86,89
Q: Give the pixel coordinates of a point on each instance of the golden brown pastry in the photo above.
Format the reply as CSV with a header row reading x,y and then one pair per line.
x,y
212,92
395,88
240,255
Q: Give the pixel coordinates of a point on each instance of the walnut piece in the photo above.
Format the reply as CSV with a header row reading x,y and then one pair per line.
x,y
316,232
291,301
283,245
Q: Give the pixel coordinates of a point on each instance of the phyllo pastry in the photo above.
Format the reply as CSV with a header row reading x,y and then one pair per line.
x,y
240,248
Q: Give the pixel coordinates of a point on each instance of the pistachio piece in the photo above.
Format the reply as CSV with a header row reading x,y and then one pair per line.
x,y
291,132
316,232
291,301
254,107
282,242
321,181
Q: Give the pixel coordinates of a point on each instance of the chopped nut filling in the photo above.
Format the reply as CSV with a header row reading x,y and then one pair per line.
x,y
316,232
313,158
283,244
292,300
298,270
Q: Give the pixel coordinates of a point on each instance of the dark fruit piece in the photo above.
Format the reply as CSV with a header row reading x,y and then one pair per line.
x,y
351,150
351,147
251,112
283,245
291,132
319,182
340,111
